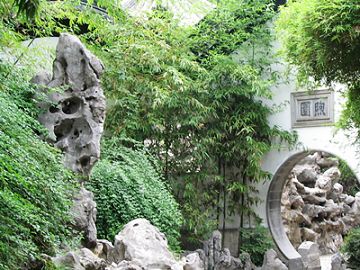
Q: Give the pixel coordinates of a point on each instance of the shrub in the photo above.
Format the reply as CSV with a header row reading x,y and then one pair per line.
x,y
348,179
255,241
34,186
127,185
351,248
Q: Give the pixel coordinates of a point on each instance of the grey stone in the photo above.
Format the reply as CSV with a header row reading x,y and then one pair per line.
x,y
193,262
84,213
125,265
104,249
349,200
89,261
337,262
216,257
306,174
68,261
325,213
142,242
272,262
310,254
74,117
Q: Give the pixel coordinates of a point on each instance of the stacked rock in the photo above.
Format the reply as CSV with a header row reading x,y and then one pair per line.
x,y
314,207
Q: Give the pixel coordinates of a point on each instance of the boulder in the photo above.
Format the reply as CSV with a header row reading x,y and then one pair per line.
x,y
310,254
68,261
89,261
337,262
193,262
82,259
104,249
142,242
125,265
272,262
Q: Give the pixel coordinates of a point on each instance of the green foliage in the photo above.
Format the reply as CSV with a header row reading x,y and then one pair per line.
x,y
322,39
228,26
34,186
348,179
351,248
191,95
127,185
256,241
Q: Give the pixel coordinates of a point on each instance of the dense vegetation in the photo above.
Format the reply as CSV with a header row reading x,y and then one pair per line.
x,y
351,248
256,241
348,179
35,189
322,39
127,185
193,96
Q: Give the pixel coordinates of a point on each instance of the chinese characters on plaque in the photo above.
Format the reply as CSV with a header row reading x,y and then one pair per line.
x,y
312,109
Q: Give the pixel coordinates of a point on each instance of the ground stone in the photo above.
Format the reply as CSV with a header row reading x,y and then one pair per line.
x,y
310,254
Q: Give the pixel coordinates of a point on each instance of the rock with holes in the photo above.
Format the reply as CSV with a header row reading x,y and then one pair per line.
x,y
75,113
142,242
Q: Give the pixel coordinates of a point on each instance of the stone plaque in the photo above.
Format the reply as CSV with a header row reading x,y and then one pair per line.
x,y
309,109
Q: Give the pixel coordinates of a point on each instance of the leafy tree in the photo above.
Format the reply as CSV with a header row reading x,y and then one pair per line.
x,y
322,40
127,185
351,248
35,188
238,59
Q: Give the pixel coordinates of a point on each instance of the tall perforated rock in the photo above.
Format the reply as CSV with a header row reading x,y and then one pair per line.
x,y
75,114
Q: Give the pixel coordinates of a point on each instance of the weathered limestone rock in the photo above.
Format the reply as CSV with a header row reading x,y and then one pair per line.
x,y
89,261
217,258
310,254
70,261
74,117
193,262
82,259
125,265
141,241
84,213
272,262
105,250
314,207
337,262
